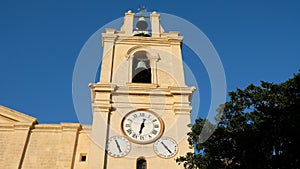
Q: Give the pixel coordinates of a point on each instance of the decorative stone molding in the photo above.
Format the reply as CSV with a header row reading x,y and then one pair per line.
x,y
9,115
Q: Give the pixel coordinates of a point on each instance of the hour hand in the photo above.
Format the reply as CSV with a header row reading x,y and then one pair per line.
x,y
142,126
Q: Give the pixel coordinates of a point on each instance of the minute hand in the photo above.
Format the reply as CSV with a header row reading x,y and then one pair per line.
x,y
166,147
118,146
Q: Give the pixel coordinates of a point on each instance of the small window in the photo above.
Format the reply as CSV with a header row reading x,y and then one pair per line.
x,y
141,163
141,70
82,157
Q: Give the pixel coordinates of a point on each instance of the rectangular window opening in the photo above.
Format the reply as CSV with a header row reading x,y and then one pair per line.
x,y
82,157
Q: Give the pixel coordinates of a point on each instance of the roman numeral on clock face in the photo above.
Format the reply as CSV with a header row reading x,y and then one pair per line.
x,y
129,131
154,132
134,135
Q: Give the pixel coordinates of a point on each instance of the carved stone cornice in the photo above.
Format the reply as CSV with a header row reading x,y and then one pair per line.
x,y
62,127
102,87
70,126
154,41
182,90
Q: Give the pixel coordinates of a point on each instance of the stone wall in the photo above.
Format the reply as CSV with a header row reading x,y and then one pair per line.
x,y
41,146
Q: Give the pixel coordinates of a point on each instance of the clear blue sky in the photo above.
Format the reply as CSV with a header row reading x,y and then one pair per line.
x,y
40,42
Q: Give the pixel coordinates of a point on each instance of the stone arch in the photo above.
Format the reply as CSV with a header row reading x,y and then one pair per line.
x,y
141,163
141,68
141,54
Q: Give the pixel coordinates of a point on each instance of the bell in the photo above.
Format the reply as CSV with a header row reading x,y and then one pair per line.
x,y
142,24
141,65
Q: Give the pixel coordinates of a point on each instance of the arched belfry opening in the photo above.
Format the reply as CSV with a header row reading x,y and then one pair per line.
x,y
141,163
141,70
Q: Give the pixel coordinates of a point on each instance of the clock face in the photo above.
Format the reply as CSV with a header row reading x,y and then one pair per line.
x,y
118,146
165,147
142,126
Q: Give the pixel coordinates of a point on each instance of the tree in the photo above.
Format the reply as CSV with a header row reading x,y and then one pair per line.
x,y
258,129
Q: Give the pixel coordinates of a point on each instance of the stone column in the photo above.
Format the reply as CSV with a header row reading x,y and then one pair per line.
x,y
155,24
68,144
127,27
108,43
17,145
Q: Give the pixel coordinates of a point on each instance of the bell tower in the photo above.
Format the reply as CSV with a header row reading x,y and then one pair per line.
x,y
141,105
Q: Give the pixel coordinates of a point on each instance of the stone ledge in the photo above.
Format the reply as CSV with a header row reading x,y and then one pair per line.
x,y
70,126
103,87
57,127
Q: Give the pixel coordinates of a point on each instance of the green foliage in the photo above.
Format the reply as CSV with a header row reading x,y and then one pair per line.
x,y
258,130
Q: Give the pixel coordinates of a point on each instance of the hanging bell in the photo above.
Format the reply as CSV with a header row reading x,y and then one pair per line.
x,y
141,65
142,24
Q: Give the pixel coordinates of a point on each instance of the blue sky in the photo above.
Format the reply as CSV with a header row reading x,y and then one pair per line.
x,y
41,40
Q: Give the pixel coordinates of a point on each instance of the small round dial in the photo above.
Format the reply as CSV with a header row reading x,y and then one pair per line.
x,y
165,147
142,126
118,146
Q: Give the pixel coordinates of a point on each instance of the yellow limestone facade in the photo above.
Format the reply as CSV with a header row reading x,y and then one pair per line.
x,y
140,118
26,144
117,97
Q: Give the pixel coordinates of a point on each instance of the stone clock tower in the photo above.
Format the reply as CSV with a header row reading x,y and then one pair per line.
x,y
141,105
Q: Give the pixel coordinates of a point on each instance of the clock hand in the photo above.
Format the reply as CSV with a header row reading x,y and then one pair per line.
x,y
118,146
166,147
142,126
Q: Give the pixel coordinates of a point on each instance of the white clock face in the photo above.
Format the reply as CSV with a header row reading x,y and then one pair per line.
x,y
142,126
118,146
165,147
